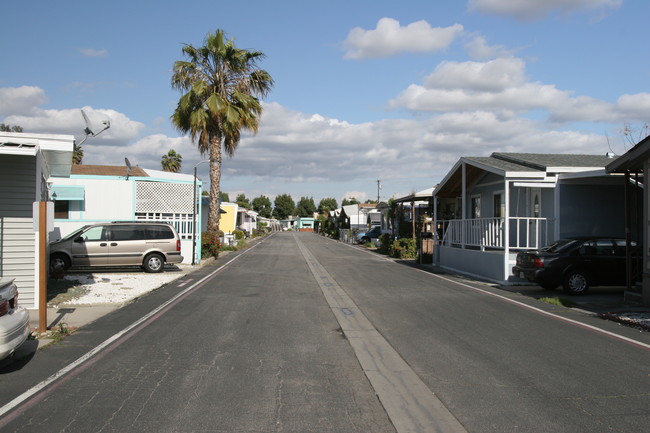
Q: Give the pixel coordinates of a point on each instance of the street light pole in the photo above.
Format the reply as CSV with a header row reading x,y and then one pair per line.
x,y
195,208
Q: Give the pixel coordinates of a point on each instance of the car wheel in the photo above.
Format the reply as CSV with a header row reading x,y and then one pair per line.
x,y
364,240
576,282
59,263
154,262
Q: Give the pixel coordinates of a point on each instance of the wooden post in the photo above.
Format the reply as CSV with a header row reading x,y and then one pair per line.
x,y
42,263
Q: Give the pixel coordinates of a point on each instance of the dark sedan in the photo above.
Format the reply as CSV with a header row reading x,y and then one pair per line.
x,y
576,264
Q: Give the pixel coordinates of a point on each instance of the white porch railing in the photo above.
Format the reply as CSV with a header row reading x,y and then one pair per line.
x,y
526,233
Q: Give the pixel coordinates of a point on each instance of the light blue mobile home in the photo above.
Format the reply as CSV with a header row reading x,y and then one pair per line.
x,y
489,208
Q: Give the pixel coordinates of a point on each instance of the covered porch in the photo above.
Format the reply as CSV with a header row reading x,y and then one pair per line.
x,y
489,208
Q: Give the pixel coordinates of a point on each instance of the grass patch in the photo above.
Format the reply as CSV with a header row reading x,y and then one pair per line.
x,y
59,332
556,300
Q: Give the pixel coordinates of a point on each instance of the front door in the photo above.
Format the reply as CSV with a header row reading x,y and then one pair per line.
x,y
535,211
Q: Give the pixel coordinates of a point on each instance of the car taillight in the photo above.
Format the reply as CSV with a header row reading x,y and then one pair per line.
x,y
4,307
537,263
178,245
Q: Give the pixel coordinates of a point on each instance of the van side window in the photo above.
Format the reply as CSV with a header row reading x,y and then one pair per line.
x,y
94,234
159,232
127,233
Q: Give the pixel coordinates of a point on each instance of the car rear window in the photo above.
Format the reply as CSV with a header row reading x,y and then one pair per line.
x,y
159,232
559,246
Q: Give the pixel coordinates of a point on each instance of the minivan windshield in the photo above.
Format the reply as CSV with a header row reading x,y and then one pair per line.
x,y
559,246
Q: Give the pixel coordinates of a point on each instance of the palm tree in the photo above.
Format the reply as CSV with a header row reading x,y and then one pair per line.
x,y
77,154
221,85
172,161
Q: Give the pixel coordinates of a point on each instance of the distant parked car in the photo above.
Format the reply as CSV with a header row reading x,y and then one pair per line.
x,y
145,244
14,320
575,263
365,237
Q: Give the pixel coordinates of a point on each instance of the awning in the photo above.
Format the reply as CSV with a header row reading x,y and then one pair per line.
x,y
67,192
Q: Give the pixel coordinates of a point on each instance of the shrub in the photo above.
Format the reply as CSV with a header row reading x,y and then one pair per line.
x,y
384,243
404,248
239,234
210,244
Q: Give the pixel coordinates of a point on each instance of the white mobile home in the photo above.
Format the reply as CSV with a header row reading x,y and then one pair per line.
x,y
98,193
26,162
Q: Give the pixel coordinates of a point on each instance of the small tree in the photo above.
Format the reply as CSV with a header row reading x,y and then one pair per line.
x,y
171,162
349,201
327,204
242,201
10,128
262,205
223,196
305,207
284,206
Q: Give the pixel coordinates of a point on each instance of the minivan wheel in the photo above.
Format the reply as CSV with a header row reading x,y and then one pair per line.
x,y
154,262
59,263
576,283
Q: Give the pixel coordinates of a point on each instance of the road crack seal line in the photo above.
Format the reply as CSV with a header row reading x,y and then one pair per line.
x,y
409,403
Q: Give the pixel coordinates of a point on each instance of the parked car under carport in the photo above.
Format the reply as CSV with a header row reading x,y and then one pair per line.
x,y
575,263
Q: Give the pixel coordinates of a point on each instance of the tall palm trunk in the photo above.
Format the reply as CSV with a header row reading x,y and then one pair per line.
x,y
215,183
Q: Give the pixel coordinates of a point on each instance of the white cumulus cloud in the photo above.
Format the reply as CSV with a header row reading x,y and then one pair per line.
x,y
389,38
501,85
20,100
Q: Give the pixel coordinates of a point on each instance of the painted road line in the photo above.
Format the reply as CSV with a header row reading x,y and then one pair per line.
x,y
409,403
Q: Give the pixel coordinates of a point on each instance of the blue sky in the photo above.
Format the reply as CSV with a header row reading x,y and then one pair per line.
x,y
365,89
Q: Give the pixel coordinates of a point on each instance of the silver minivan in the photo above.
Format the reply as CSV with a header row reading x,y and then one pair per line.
x,y
145,244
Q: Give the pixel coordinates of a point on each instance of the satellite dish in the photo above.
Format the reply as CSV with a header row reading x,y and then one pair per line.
x,y
129,169
89,130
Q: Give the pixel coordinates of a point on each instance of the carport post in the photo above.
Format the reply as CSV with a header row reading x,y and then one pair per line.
x,y
42,263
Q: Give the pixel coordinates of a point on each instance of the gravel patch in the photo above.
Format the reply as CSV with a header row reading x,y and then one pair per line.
x,y
99,288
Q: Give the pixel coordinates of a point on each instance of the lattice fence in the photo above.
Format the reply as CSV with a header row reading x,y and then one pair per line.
x,y
166,202
163,197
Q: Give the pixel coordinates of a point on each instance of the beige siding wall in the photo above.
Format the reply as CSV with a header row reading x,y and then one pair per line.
x,y
17,238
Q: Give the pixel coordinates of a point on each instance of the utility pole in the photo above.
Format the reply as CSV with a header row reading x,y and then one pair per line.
x,y
378,188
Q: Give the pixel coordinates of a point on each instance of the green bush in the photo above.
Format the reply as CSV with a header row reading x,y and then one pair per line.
x,y
210,244
384,243
239,234
404,248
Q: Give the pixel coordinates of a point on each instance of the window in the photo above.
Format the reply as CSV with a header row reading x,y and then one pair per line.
x,y
159,232
94,234
476,207
62,209
600,247
127,233
499,208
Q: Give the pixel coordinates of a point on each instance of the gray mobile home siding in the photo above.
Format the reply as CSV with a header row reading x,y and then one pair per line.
x,y
17,238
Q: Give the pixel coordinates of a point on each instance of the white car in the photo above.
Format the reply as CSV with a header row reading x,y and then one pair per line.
x,y
14,320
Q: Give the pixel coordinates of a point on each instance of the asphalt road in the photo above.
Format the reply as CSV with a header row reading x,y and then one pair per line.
x,y
303,334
